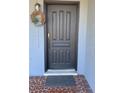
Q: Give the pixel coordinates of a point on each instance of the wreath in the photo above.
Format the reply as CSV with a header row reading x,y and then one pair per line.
x,y
38,17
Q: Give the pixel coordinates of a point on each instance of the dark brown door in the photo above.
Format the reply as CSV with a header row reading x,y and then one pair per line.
x,y
62,33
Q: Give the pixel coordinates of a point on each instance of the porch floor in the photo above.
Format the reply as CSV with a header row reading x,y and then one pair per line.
x,y
37,85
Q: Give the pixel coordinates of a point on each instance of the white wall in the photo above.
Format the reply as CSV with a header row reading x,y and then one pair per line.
x,y
82,35
90,45
36,45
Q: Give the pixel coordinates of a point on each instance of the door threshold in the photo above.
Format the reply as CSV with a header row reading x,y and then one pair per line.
x,y
51,72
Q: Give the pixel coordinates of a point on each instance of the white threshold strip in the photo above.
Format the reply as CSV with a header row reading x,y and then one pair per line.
x,y
51,72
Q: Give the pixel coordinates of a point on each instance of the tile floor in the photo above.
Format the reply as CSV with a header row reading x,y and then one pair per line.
x,y
37,85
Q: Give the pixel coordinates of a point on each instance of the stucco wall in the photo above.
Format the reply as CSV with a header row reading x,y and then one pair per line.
x,y
36,46
82,35
90,45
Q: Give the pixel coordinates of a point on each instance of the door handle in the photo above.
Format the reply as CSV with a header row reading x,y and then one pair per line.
x,y
48,35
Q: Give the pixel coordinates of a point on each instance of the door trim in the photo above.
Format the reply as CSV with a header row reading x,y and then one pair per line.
x,y
45,29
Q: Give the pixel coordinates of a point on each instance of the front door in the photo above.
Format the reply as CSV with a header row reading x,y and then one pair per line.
x,y
62,34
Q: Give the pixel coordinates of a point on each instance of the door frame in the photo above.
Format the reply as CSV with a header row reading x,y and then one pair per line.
x,y
77,3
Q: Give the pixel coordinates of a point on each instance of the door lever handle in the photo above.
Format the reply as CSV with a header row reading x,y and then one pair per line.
x,y
48,35
48,39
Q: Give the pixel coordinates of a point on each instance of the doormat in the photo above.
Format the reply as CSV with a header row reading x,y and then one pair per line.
x,y
60,81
